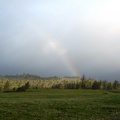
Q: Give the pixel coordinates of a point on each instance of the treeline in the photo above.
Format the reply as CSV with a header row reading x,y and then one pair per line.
x,y
22,76
26,76
23,82
103,85
88,84
22,88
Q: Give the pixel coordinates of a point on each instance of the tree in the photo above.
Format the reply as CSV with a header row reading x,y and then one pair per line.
x,y
83,81
88,84
104,84
6,86
109,86
96,85
27,85
23,88
116,84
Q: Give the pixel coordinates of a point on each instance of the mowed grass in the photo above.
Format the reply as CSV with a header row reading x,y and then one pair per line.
x,y
51,104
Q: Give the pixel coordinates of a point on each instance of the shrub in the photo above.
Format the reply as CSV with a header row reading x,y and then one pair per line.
x,y
57,86
23,88
96,85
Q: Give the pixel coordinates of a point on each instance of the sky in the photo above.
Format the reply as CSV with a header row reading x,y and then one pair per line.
x,y
60,38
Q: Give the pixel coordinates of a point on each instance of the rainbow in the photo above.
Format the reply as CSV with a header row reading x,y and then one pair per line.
x,y
70,66
53,43
64,56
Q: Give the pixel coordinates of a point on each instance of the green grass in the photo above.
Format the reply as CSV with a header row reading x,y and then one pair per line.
x,y
50,104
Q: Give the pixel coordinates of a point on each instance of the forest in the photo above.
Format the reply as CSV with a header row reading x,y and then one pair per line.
x,y
9,83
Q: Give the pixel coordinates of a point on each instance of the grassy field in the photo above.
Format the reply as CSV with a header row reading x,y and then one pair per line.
x,y
51,104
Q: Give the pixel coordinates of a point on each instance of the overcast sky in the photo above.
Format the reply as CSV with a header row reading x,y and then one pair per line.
x,y
60,37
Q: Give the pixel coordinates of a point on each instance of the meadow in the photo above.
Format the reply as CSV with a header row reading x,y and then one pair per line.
x,y
60,104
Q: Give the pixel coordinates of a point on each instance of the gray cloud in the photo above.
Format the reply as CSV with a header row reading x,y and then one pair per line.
x,y
50,37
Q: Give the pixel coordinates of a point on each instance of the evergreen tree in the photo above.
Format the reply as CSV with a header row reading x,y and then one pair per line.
x,y
116,84
96,85
6,86
83,81
27,85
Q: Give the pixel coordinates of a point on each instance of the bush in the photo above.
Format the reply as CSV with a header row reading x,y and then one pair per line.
x,y
23,88
57,86
96,85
